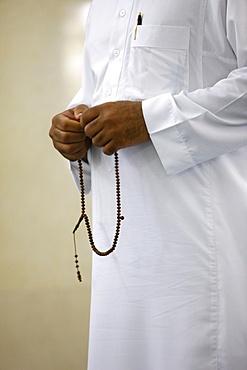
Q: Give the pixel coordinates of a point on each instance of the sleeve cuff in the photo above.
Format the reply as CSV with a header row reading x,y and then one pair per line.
x,y
166,134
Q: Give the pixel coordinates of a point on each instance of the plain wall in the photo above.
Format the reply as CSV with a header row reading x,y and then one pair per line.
x,y
44,310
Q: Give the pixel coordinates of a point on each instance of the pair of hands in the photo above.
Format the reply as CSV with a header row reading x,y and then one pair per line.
x,y
111,126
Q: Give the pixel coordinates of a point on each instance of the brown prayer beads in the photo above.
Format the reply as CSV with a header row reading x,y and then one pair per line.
x,y
84,216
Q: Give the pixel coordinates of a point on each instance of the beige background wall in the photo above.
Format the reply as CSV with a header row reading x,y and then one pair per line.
x,y
43,309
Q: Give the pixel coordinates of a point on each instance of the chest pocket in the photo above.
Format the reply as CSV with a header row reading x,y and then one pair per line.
x,y
158,61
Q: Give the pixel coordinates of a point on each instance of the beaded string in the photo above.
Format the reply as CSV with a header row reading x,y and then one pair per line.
x,y
84,216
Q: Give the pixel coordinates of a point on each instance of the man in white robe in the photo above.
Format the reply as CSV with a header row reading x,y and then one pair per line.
x,y
170,95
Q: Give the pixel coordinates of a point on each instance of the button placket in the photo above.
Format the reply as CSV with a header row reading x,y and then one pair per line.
x,y
117,43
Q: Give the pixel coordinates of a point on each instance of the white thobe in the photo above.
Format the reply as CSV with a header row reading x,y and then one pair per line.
x,y
173,295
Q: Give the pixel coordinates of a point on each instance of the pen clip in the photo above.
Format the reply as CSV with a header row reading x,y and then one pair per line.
x,y
138,23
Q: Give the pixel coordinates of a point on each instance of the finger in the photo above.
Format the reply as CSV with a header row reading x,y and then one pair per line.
x,y
93,128
68,113
72,152
68,137
89,115
63,123
74,157
78,110
110,148
101,138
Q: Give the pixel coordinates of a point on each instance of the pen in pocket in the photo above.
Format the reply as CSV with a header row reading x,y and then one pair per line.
x,y
138,23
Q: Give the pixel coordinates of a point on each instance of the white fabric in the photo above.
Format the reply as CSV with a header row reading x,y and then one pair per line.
x,y
173,296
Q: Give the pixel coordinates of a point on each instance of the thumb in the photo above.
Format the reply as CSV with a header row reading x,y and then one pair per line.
x,y
78,110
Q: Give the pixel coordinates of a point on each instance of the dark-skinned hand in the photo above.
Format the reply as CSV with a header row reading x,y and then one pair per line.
x,y
115,125
111,126
68,135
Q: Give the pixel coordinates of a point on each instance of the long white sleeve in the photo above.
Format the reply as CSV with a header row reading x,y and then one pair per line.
x,y
192,127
